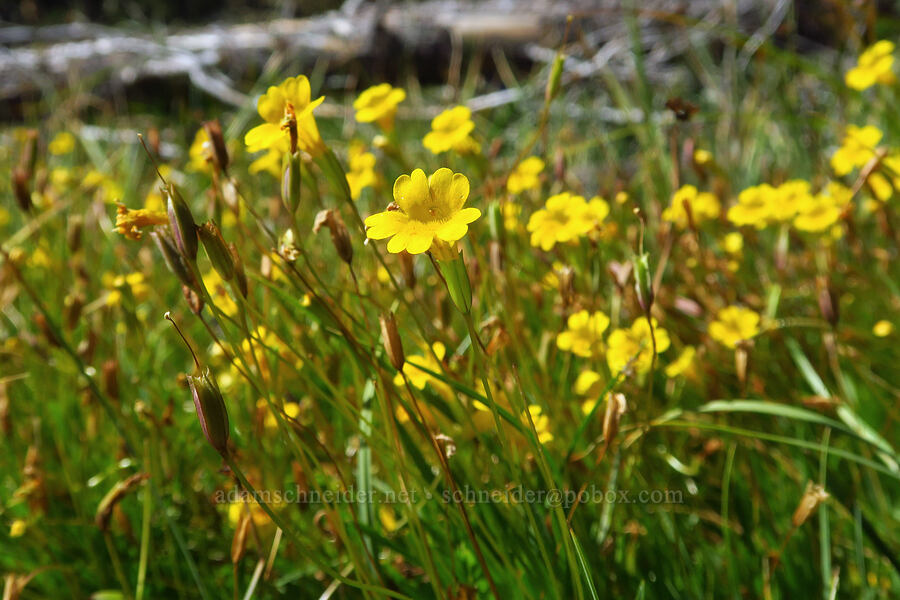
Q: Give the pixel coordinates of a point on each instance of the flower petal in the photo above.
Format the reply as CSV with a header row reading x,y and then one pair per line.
x,y
385,224
398,242
262,137
419,241
410,190
449,189
453,230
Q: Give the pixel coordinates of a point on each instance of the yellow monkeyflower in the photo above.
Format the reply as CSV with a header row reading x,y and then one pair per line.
x,y
450,130
732,243
17,528
588,383
511,211
595,212
702,157
883,328
541,423
525,176
419,378
683,365
362,169
430,210
63,143
291,410
754,206
857,148
561,220
734,324
583,336
118,285
788,198
704,206
874,66
289,101
635,345
379,104
272,160
200,152
130,220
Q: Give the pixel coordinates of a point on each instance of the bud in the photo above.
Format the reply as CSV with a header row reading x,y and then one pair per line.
x,y
73,233
559,165
643,284
495,220
813,496
457,279
240,275
290,181
110,371
828,301
339,235
211,411
615,408
173,258
742,359
220,152
194,300
553,82
184,230
391,338
72,306
218,253
566,277
22,188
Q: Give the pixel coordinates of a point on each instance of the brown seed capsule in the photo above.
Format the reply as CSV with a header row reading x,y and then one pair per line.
x,y
114,496
742,359
194,300
216,249
72,305
559,165
184,229
220,151
615,408
22,188
566,277
211,410
813,496
393,345
110,378
828,300
173,258
339,236
73,233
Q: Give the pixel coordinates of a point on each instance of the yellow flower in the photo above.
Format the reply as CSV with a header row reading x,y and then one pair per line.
x,y
857,148
362,169
754,206
588,383
583,336
874,66
525,176
734,324
257,514
511,211
682,365
200,152
788,198
626,344
132,282
817,213
594,214
219,293
130,220
430,210
288,101
541,423
17,528
733,243
702,157
621,197
449,130
291,409
272,160
379,103
418,378
883,328
63,143
704,206
561,220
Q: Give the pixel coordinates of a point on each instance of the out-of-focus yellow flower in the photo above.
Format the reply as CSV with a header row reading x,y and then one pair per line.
x,y
583,336
200,152
379,104
219,293
135,283
419,378
511,211
733,243
63,143
734,324
541,423
704,206
281,104
883,328
626,344
595,212
257,514
17,528
450,130
112,191
816,214
430,209
525,176
788,198
874,66
362,169
271,161
561,220
857,148
291,409
588,383
621,198
130,220
388,518
60,176
682,365
702,157
154,202
754,206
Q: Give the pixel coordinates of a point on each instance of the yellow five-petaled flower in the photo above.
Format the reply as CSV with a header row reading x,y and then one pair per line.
x,y
286,107
428,210
379,104
734,324
874,66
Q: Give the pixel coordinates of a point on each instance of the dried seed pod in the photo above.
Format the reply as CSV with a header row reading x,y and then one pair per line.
x,y
211,410
110,378
220,152
339,235
114,496
813,496
184,229
390,336
216,249
828,300
616,406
